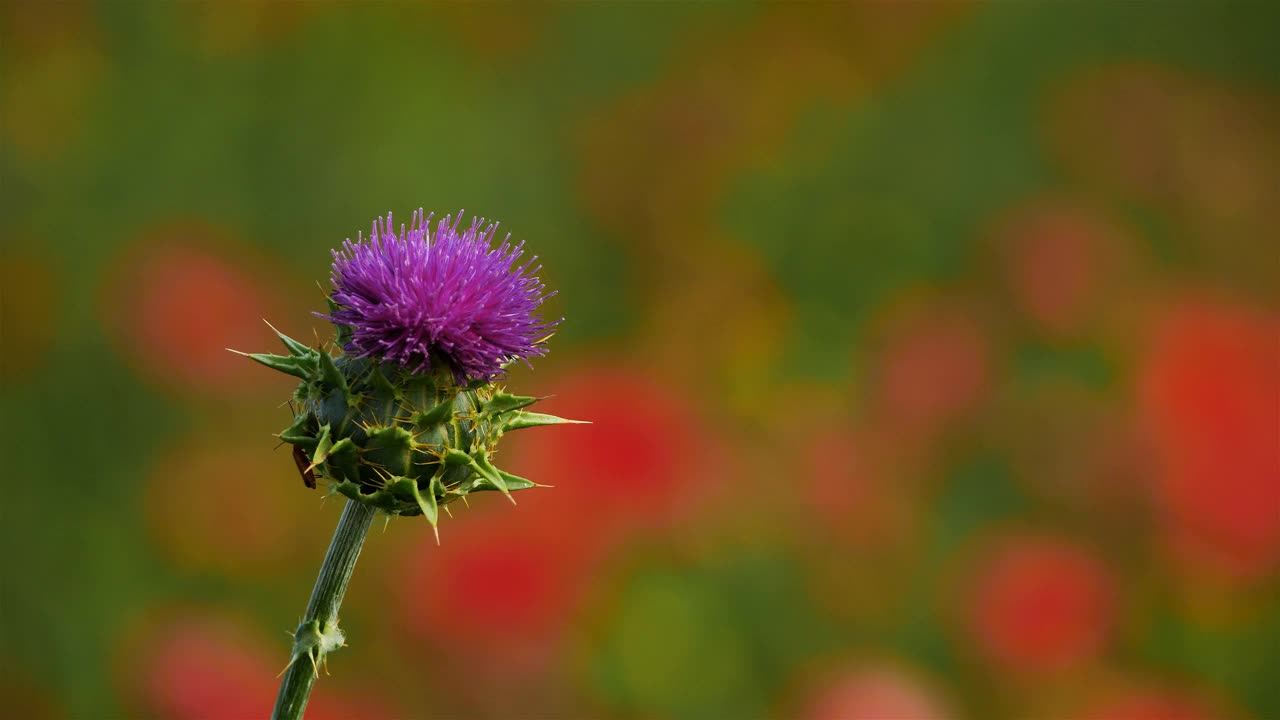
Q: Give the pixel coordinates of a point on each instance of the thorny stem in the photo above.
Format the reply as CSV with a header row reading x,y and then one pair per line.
x,y
318,633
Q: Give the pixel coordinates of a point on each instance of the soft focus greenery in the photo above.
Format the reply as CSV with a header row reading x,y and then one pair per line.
x,y
928,348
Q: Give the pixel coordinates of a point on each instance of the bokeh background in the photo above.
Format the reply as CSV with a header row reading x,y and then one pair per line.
x,y
932,350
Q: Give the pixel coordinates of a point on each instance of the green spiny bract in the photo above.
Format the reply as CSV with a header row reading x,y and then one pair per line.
x,y
401,442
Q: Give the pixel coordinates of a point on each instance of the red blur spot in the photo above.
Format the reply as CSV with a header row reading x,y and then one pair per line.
x,y
1210,393
935,368
189,303
207,668
840,477
174,304
508,578
206,671
489,590
850,492
642,459
1040,605
1056,259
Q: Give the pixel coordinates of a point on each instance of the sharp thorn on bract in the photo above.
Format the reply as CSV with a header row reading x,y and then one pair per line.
x,y
370,390
292,660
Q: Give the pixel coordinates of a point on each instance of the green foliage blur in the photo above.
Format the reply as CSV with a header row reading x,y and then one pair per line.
x,y
932,351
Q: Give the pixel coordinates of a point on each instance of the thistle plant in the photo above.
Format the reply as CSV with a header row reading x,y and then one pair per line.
x,y
403,419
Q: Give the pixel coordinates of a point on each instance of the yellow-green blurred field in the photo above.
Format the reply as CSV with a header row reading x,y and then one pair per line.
x,y
932,351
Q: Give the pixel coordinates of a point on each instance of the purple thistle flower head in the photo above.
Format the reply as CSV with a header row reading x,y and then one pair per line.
x,y
420,297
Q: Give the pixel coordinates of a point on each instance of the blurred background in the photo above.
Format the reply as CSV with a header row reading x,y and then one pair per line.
x,y
933,352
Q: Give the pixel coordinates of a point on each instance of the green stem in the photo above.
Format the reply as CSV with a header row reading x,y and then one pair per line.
x,y
319,634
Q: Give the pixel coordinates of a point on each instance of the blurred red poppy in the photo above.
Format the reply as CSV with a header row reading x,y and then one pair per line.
x,y
207,667
936,366
644,460
1058,259
507,578
849,491
173,304
491,589
1209,388
1040,605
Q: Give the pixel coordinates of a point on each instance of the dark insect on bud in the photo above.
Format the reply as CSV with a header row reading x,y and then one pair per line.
x,y
304,467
